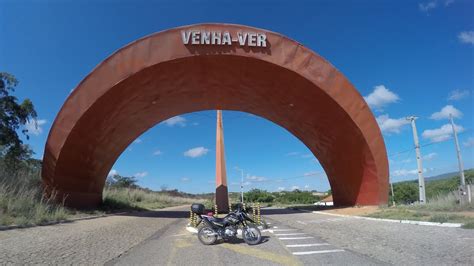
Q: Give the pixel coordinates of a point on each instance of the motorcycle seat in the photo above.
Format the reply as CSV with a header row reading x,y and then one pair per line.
x,y
218,221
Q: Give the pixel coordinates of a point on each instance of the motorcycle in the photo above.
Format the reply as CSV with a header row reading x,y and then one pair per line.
x,y
227,227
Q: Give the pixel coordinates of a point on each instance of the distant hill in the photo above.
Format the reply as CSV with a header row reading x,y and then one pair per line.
x,y
407,191
443,176
439,177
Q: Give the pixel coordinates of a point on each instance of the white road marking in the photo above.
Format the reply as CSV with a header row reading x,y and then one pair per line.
x,y
295,238
180,235
292,234
321,221
277,230
317,252
307,245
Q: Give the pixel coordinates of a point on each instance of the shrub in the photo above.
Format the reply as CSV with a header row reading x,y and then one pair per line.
x,y
469,225
258,195
296,197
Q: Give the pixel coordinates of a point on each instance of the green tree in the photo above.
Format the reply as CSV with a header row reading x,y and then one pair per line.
x,y
119,181
406,192
258,195
13,115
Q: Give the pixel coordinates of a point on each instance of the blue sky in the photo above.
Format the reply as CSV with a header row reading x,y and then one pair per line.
x,y
406,57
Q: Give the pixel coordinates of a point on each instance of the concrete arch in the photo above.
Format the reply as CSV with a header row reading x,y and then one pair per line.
x,y
158,77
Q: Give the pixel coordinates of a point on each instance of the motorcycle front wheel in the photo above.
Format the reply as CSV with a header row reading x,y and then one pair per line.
x,y
207,236
251,235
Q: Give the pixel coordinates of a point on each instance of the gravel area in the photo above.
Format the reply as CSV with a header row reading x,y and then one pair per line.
x,y
91,242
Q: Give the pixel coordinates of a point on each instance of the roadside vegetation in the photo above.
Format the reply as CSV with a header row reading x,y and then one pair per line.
x,y
295,198
283,198
122,193
21,198
442,202
22,201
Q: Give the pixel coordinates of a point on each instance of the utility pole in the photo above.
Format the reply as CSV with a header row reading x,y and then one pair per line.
x,y
241,183
421,179
462,188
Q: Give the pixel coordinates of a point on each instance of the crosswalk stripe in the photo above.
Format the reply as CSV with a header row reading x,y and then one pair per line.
x,y
317,252
295,238
290,234
307,245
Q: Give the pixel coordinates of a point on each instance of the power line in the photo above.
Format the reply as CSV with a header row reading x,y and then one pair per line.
x,y
427,144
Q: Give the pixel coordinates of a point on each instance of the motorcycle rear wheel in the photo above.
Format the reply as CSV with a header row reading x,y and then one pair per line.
x,y
251,235
207,235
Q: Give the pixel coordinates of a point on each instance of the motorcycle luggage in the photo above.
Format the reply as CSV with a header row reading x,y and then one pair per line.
x,y
197,208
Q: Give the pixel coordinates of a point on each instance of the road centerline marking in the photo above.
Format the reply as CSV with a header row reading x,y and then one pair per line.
x,y
317,252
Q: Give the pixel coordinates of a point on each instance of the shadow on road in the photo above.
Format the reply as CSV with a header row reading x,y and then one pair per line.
x,y
241,241
157,214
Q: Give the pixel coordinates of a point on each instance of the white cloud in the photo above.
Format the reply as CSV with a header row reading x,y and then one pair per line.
x,y
281,188
137,141
456,95
426,7
112,173
196,152
391,125
448,2
430,156
256,178
157,152
306,187
405,172
140,174
295,187
176,121
466,37
381,97
469,142
195,123
308,155
293,153
34,126
441,134
185,179
445,112
246,183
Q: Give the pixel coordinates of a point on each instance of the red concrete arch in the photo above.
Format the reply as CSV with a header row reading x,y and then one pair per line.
x,y
158,77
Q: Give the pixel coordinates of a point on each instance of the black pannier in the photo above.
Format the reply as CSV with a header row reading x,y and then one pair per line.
x,y
197,208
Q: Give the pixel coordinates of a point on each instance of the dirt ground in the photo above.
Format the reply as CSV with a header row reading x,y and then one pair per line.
x,y
358,211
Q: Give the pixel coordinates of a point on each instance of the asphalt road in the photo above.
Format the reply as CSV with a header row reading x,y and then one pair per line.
x,y
294,238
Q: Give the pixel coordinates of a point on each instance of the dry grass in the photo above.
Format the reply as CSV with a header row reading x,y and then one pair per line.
x,y
132,198
441,209
25,206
